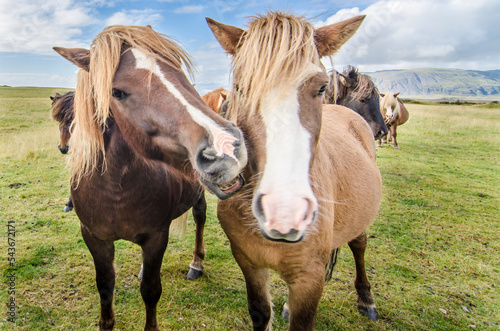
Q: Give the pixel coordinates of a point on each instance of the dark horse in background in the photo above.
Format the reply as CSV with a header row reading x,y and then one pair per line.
x,y
357,92
142,144
62,112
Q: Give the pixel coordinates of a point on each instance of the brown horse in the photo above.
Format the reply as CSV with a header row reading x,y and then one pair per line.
x,y
216,98
142,141
62,111
357,92
394,113
312,180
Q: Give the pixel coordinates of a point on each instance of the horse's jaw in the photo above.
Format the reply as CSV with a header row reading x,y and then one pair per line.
x,y
225,190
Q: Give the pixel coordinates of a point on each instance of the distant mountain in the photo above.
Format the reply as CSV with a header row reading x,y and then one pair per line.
x,y
440,83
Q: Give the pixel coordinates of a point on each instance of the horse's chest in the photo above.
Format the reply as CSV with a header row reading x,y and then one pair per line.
x,y
118,207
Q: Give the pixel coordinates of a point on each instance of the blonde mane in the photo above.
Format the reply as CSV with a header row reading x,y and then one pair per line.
x,y
94,89
275,52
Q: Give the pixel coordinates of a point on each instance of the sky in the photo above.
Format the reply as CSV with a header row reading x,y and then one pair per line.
x,y
404,34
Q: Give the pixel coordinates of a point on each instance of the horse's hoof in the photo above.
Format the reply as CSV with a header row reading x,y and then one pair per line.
x,y
67,209
194,274
370,312
286,313
396,147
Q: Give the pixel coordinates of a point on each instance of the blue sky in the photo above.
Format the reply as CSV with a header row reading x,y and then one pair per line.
x,y
402,34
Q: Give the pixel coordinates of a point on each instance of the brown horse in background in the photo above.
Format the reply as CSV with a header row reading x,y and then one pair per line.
x,y
216,98
142,143
62,111
312,180
394,113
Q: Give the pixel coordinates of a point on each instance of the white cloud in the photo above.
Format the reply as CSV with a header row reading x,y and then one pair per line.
x,y
423,33
36,26
212,68
190,9
134,17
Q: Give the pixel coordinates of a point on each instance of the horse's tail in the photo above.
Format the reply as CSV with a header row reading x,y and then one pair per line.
x,y
178,226
331,263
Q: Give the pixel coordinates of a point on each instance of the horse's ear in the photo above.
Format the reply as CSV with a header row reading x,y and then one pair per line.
x,y
52,98
395,95
228,36
78,56
224,94
329,38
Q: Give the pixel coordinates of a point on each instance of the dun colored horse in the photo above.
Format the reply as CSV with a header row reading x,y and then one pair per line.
x,y
357,92
142,142
216,98
312,180
395,114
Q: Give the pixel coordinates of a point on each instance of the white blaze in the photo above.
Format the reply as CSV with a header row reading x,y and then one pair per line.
x,y
223,142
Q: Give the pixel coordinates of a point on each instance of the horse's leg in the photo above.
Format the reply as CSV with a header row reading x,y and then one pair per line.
x,y
152,255
103,253
258,295
393,135
200,216
305,291
366,306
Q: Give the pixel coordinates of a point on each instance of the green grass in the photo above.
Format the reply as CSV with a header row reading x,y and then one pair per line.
x,y
434,246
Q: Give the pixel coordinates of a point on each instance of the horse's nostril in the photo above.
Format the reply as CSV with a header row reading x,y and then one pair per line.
x,y
209,153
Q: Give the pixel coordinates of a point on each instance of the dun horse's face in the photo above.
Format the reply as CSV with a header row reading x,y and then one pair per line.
x,y
388,104
283,131
283,202
162,117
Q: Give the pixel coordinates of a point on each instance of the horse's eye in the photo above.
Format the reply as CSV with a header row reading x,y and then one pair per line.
x,y
322,89
362,100
119,94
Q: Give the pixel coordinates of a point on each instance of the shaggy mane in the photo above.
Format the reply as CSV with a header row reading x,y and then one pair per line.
x,y
276,50
62,108
94,88
363,86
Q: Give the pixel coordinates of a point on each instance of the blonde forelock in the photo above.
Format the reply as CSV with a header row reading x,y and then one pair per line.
x,y
275,53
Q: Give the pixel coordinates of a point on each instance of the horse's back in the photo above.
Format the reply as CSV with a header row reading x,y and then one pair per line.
x,y
346,173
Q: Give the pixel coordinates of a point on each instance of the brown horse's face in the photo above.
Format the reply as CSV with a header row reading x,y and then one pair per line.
x,y
64,136
283,132
162,117
64,127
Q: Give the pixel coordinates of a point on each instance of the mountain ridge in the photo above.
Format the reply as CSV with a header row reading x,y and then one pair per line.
x,y
436,83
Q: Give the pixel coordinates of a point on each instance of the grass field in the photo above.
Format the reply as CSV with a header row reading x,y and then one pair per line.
x,y
433,257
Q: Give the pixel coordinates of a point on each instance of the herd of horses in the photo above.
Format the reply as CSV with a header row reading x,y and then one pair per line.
x,y
289,152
